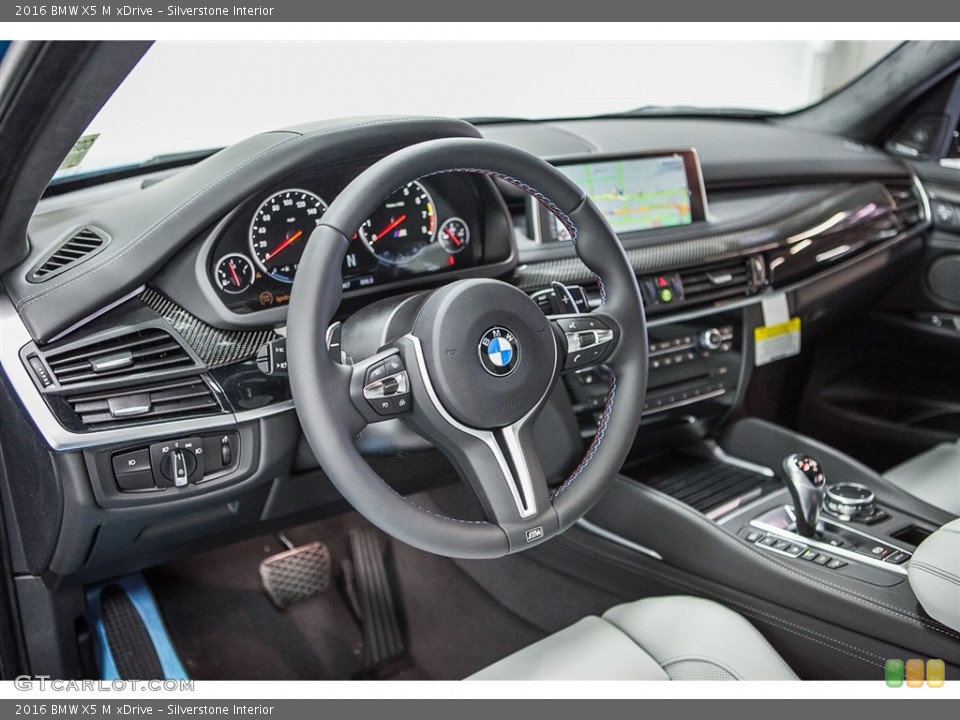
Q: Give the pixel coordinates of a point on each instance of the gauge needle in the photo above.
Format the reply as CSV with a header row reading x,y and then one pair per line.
x,y
289,241
389,227
233,272
453,237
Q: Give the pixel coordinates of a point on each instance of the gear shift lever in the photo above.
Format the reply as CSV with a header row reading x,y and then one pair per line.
x,y
807,485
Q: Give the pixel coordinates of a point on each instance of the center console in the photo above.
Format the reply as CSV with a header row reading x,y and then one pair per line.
x,y
729,514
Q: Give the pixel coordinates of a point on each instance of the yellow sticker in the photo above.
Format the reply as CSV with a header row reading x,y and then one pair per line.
x,y
771,331
776,342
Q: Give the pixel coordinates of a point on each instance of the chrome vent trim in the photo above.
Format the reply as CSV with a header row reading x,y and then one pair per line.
x,y
716,282
158,401
130,355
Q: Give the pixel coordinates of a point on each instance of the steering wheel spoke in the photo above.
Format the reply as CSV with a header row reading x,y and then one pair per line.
x,y
585,339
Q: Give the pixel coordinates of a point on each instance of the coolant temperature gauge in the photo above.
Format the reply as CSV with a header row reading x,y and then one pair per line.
x,y
454,235
234,273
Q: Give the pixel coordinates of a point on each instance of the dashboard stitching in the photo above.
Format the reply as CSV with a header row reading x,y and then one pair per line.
x,y
159,223
598,438
906,614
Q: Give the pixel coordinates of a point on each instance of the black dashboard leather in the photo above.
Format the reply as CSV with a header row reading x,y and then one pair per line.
x,y
149,226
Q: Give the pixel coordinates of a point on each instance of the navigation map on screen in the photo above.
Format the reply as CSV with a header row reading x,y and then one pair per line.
x,y
636,194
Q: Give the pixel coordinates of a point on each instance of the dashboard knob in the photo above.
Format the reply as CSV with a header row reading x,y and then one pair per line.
x,y
710,339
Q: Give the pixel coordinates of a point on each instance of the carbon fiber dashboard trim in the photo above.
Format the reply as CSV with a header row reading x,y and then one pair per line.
x,y
686,253
215,347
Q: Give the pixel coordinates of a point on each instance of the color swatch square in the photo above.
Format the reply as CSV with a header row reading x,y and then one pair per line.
x,y
936,673
915,672
894,673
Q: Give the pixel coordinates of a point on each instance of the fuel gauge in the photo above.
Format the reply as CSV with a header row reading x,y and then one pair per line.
x,y
454,235
234,273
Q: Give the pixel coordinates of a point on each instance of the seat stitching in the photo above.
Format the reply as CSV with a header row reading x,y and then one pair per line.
x,y
663,577
753,612
703,659
936,572
758,635
213,183
823,583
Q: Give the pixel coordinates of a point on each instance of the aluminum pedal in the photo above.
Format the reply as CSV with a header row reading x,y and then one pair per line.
x,y
296,574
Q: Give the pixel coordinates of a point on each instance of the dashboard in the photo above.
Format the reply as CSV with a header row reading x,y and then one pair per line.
x,y
157,339
424,229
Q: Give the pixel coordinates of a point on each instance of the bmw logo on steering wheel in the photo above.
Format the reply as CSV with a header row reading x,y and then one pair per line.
x,y
499,351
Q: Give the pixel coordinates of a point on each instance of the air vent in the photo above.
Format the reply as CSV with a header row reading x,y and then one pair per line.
x,y
83,245
906,204
134,354
722,281
161,401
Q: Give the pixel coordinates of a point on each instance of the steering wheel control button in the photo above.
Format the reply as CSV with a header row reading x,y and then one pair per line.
x,y
587,339
272,357
394,365
387,387
384,406
374,374
499,351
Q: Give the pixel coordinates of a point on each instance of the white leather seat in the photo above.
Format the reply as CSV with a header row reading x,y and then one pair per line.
x,y
933,476
661,638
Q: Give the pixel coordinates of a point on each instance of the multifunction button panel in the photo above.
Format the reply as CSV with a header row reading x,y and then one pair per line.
x,y
175,463
386,387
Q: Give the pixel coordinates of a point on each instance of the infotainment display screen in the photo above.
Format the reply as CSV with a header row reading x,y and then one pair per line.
x,y
635,193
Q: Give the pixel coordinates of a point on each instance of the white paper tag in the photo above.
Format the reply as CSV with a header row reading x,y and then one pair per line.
x,y
775,309
776,342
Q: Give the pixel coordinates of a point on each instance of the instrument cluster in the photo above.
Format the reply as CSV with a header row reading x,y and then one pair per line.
x,y
422,229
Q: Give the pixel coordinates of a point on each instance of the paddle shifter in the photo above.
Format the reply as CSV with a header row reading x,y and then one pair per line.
x,y
807,485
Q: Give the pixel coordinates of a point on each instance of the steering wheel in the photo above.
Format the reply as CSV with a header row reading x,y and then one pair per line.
x,y
472,367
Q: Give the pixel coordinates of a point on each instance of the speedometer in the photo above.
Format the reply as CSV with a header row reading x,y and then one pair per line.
x,y
402,227
280,229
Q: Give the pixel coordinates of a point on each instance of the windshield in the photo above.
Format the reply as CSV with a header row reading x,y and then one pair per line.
x,y
188,97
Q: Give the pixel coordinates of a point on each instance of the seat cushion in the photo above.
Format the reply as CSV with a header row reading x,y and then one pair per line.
x,y
661,638
933,476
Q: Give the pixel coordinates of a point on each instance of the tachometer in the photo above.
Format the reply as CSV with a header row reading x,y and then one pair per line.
x,y
402,227
280,228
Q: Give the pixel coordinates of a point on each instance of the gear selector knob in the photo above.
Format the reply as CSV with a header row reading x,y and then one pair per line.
x,y
807,485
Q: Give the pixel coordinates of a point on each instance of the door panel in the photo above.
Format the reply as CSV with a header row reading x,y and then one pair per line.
x,y
886,386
